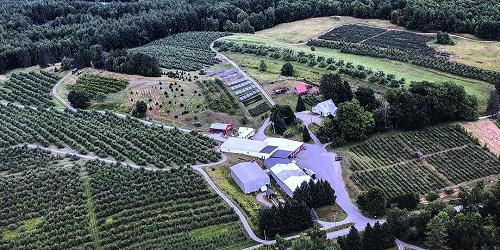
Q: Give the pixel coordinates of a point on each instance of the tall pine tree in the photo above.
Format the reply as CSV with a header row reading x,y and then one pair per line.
x,y
301,106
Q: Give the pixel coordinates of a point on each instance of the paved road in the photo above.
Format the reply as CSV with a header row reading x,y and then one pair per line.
x,y
403,245
225,58
58,97
319,160
260,135
261,198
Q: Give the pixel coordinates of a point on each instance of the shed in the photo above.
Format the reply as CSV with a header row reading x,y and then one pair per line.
x,y
325,108
300,89
221,128
249,176
245,133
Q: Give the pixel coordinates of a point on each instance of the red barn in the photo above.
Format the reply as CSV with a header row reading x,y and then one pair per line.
x,y
224,128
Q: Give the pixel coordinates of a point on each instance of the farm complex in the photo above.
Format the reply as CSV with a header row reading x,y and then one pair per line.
x,y
246,124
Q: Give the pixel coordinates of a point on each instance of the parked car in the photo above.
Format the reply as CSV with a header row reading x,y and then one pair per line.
x,y
338,158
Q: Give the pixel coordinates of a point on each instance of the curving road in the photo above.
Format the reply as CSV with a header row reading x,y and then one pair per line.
x,y
58,97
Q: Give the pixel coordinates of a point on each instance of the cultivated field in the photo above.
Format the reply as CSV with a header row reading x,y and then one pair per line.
x,y
410,72
52,201
185,51
99,85
29,88
104,135
419,162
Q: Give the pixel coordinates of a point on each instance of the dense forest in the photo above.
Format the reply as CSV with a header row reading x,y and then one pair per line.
x,y
42,32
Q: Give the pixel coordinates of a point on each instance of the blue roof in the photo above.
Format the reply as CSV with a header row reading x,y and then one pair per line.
x,y
281,154
268,149
270,162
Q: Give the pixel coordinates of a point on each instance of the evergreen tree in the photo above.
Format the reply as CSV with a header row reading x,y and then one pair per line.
x,y
315,193
263,66
140,109
443,38
368,241
306,137
287,69
352,241
301,106
366,98
79,99
437,231
333,87
373,202
279,124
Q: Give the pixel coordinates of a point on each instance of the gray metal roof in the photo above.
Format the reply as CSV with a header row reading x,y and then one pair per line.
x,y
248,171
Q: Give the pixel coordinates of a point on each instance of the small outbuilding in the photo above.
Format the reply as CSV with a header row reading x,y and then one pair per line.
x,y
325,108
245,133
224,128
301,89
249,176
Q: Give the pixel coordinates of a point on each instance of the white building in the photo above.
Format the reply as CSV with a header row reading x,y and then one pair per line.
x,y
249,176
325,108
245,133
285,145
258,149
289,177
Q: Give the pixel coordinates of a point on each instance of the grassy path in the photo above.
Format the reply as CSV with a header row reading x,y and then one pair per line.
x,y
90,211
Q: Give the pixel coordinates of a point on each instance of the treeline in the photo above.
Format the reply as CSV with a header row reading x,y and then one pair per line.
x,y
43,32
438,63
422,104
297,213
476,225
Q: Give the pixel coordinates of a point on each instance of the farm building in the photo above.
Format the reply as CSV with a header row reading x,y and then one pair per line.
x,y
271,147
249,176
301,89
249,147
285,145
245,133
325,108
221,128
289,177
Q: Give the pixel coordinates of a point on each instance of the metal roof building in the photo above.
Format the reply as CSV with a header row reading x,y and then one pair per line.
x,y
325,108
247,147
285,145
249,176
289,177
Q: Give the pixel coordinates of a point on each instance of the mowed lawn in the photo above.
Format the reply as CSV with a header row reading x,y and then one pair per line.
x,y
410,72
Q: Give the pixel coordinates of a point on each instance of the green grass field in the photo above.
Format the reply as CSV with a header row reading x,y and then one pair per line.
x,y
410,72
247,203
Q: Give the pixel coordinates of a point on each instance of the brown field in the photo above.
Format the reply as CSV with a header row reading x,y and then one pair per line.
x,y
487,132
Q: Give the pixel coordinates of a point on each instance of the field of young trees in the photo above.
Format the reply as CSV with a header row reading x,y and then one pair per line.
x,y
48,201
31,88
98,85
185,51
104,135
420,161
